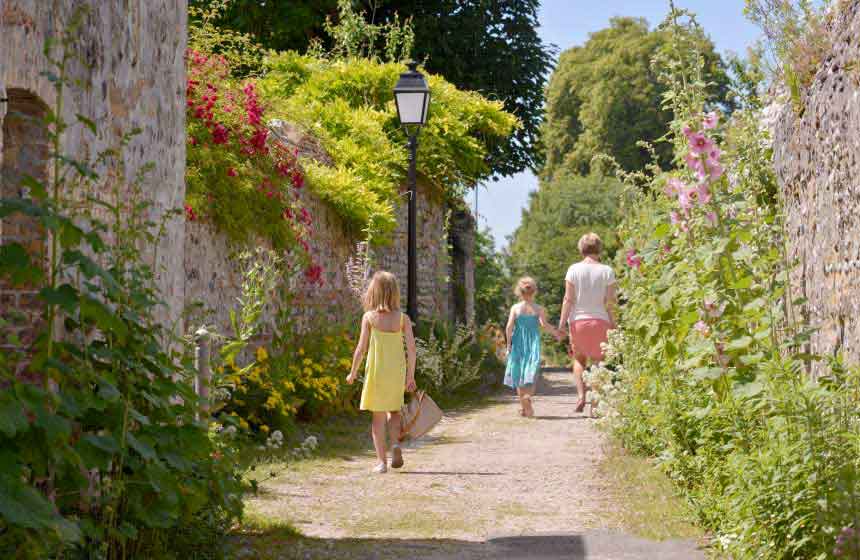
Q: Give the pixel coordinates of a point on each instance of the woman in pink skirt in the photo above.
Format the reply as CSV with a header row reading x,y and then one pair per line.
x,y
588,308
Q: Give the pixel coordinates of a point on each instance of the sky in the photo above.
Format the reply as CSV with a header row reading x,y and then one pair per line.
x,y
567,23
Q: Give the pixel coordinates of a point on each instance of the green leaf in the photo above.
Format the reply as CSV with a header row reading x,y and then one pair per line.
x,y
65,296
104,318
707,373
37,188
739,343
12,417
106,443
21,505
87,122
751,359
144,449
746,390
743,283
15,263
108,391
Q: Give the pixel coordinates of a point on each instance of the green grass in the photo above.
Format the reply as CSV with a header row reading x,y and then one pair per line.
x,y
648,505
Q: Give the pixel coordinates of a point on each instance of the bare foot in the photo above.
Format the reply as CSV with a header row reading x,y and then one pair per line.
x,y
580,406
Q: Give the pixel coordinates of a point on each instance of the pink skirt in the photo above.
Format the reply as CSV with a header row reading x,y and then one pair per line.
x,y
586,336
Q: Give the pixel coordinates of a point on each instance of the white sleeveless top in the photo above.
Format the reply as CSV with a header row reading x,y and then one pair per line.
x,y
590,280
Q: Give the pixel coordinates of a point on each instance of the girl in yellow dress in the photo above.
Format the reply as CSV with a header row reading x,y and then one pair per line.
x,y
389,369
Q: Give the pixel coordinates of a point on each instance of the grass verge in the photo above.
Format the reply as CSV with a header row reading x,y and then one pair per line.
x,y
648,505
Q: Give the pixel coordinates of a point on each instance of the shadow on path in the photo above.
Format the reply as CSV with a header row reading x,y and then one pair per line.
x,y
590,545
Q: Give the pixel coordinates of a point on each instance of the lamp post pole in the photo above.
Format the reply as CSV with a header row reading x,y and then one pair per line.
x,y
412,241
412,98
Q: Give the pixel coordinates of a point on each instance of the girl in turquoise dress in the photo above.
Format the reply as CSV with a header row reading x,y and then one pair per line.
x,y
523,334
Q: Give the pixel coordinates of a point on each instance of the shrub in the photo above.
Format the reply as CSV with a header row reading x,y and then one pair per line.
x,y
101,454
707,373
449,362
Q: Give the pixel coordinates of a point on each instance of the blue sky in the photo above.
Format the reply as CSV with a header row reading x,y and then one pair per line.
x,y
567,23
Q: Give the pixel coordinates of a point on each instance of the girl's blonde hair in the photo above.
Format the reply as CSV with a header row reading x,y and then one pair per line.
x,y
383,293
590,244
525,285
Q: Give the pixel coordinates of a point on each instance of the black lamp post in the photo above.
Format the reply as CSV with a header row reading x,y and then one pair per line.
x,y
412,96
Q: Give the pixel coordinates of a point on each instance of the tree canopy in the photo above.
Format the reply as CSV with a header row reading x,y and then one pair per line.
x,y
605,96
489,47
558,214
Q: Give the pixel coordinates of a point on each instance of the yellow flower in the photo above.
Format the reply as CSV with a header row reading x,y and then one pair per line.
x,y
243,424
301,351
307,361
345,363
264,429
262,355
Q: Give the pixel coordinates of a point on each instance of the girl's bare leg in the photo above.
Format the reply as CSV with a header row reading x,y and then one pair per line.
x,y
528,393
377,429
521,395
394,436
579,364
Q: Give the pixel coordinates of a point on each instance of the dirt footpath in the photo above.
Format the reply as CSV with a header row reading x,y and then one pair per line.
x,y
485,484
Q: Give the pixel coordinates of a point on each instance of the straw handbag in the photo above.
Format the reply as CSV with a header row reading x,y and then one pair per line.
x,y
418,416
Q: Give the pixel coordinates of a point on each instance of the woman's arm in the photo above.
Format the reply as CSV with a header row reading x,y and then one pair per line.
x,y
410,355
509,329
568,304
360,349
611,301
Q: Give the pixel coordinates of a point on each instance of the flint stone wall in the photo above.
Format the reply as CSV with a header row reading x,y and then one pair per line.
x,y
134,71
817,157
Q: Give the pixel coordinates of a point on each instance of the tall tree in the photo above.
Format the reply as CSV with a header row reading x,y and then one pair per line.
x,y
488,46
558,214
606,95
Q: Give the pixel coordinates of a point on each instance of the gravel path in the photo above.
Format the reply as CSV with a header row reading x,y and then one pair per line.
x,y
485,484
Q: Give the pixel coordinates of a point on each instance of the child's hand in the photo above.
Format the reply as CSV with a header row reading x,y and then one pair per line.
x,y
410,384
350,379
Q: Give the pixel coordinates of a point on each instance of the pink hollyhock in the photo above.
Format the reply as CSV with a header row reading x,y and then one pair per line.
x,y
703,328
674,186
693,194
712,218
684,200
700,144
714,155
710,120
715,170
703,193
231,172
688,132
633,259
675,218
713,309
694,162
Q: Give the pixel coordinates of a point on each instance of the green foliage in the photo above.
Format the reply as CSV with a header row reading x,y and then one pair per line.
x,y
101,454
492,48
606,96
796,40
348,105
708,373
241,53
450,361
558,214
492,282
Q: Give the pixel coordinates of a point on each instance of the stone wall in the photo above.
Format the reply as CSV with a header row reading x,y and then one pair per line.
x,y
817,158
133,69
213,275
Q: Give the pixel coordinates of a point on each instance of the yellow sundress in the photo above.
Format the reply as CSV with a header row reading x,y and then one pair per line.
x,y
385,372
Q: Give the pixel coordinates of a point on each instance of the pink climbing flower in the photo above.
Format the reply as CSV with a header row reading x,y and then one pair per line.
x,y
633,259
231,172
710,120
674,186
219,134
703,193
715,170
675,218
700,144
694,162
684,200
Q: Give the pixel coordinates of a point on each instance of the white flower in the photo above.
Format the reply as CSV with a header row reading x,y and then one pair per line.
x,y
230,430
310,442
277,436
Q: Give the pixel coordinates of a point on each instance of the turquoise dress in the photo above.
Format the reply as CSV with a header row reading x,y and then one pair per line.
x,y
524,359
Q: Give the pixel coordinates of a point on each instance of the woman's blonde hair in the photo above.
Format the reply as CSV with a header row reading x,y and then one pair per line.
x,y
525,285
383,293
590,244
